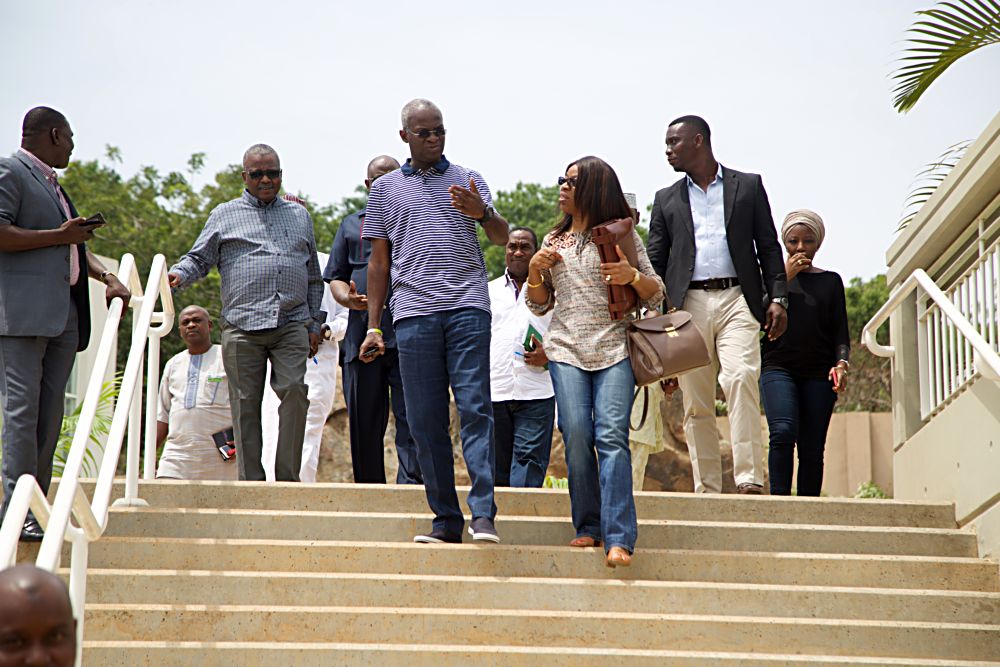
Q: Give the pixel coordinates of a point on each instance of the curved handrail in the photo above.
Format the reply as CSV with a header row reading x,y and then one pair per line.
x,y
986,359
70,499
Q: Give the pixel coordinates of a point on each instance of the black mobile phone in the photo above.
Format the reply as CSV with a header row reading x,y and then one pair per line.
x,y
369,353
96,219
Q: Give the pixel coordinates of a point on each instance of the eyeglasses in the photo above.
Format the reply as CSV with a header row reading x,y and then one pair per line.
x,y
258,174
570,181
425,134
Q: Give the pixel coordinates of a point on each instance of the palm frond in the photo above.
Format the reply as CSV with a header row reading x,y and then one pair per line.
x,y
950,30
100,428
928,179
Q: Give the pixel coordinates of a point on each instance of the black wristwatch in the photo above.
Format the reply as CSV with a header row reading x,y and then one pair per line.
x,y
781,301
487,215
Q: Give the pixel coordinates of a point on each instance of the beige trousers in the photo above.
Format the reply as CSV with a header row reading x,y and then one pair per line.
x,y
732,335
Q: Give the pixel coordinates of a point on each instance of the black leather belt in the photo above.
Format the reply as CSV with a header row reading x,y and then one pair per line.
x,y
714,283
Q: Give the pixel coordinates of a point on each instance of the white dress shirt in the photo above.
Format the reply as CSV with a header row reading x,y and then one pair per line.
x,y
711,251
510,378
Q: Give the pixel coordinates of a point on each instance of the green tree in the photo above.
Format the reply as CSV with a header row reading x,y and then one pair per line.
x,y
868,386
527,205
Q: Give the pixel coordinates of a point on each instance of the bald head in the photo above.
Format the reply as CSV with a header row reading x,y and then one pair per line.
x,y
36,618
414,107
46,134
194,325
380,166
40,120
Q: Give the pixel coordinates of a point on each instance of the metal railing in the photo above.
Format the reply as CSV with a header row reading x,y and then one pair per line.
x,y
956,331
70,499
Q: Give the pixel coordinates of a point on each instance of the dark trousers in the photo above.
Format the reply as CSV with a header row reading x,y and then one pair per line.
x,y
245,355
523,441
798,414
451,347
369,390
33,375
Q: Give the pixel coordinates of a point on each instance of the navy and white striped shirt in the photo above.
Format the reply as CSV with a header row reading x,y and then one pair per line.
x,y
266,254
437,263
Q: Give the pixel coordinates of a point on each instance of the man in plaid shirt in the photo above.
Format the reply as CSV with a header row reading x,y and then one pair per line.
x,y
271,295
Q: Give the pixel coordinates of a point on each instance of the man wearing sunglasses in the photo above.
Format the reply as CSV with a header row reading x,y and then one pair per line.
x,y
272,293
422,222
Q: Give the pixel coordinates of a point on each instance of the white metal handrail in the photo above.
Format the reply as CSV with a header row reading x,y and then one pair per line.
x,y
951,349
71,500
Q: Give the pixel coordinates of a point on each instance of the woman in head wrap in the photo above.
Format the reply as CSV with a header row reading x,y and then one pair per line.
x,y
802,371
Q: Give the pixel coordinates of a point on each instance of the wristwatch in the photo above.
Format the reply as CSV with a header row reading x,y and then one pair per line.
x,y
487,215
781,301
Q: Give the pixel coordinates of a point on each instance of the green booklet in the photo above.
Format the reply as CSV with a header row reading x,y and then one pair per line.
x,y
529,345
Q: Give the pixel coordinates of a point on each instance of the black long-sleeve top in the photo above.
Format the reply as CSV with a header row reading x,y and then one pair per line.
x,y
817,336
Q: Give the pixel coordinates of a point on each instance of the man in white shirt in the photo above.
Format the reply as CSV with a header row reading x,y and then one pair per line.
x,y
194,406
520,387
321,380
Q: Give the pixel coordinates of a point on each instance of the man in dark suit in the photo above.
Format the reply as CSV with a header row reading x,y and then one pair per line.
x,y
712,240
44,300
367,386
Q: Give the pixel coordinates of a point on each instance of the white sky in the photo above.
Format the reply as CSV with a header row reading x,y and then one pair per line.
x,y
797,91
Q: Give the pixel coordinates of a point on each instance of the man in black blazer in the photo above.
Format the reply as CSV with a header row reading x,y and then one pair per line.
x,y
44,300
712,240
369,388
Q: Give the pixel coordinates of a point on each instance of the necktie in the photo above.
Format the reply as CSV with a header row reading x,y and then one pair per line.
x,y
74,254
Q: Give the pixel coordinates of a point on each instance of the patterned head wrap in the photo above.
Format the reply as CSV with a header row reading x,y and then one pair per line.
x,y
810,219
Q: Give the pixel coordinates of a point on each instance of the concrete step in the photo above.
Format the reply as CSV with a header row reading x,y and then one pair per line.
x,y
794,569
361,498
207,587
544,530
282,654
168,622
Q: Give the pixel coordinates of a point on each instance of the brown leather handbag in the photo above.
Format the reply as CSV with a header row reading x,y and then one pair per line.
x,y
664,346
622,299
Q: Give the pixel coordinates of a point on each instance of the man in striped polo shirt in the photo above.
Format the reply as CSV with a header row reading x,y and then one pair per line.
x,y
421,220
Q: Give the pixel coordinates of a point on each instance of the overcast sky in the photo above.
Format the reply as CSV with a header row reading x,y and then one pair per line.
x,y
797,91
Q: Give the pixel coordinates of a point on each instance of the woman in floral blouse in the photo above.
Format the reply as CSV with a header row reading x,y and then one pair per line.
x,y
588,359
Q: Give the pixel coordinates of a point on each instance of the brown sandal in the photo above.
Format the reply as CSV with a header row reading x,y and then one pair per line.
x,y
618,557
584,541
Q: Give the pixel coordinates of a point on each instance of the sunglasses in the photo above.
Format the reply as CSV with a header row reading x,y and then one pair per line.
x,y
258,174
425,134
570,181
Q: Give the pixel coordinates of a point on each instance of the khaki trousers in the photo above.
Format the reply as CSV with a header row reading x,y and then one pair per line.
x,y
732,335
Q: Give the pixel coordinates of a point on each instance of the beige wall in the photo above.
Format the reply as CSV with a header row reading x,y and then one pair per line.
x,y
858,450
955,457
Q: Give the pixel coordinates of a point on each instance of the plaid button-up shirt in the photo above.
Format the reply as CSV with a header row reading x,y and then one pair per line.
x,y
266,254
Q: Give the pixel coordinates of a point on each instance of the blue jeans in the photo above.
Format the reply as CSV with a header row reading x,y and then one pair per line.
x,y
523,431
449,347
798,414
594,408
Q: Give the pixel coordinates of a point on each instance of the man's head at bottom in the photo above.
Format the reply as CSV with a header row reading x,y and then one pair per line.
x,y
36,619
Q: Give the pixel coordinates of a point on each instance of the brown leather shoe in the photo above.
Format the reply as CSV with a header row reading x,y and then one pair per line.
x,y
584,541
749,488
618,557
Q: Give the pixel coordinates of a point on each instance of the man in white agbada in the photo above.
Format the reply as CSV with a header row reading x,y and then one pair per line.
x,y
321,378
194,405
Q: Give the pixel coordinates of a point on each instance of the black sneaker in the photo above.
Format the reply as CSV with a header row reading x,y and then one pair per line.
x,y
482,530
438,537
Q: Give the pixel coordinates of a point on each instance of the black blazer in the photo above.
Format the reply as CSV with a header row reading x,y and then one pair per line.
x,y
753,242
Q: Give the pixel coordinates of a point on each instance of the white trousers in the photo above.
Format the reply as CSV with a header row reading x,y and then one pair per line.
x,y
732,335
321,379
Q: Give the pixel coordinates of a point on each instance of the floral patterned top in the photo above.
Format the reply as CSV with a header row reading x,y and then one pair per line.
x,y
582,333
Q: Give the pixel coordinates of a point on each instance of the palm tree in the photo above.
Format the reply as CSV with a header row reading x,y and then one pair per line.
x,y
942,35
946,33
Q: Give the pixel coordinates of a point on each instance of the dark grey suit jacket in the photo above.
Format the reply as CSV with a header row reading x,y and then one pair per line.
x,y
34,285
753,242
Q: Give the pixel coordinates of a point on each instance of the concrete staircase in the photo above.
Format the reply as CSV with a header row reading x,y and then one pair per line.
x,y
256,574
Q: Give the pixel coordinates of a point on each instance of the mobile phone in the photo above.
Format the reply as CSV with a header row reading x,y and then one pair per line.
x,y
96,219
369,353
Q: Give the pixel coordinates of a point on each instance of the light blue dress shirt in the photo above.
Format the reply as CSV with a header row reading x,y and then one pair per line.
x,y
711,251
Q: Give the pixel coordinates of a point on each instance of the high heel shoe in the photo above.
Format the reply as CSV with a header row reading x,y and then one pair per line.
x,y
618,557
584,541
